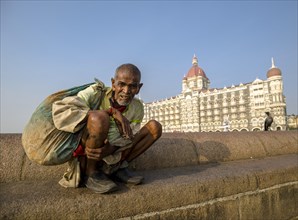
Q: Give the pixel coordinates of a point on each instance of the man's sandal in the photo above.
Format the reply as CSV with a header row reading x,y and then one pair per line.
x,y
100,183
126,176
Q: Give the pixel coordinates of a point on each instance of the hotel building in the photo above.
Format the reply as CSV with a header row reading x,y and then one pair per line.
x,y
200,108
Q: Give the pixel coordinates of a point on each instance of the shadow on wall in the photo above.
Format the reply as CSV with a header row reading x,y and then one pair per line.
x,y
212,152
179,152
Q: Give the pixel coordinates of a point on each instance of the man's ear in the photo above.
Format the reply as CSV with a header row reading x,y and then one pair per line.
x,y
140,86
113,82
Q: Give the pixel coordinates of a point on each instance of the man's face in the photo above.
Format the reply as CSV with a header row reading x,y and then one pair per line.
x,y
125,87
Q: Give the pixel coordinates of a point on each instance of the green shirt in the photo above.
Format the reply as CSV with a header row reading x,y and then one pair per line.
x,y
134,113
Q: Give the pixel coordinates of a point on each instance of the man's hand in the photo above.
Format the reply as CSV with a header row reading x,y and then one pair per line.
x,y
122,124
100,153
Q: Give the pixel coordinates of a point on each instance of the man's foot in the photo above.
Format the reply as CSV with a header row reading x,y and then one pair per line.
x,y
126,176
100,183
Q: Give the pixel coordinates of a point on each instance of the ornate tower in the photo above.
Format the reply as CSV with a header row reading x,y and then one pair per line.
x,y
195,79
277,99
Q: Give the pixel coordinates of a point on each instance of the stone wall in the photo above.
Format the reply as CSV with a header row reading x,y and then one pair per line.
x,y
241,175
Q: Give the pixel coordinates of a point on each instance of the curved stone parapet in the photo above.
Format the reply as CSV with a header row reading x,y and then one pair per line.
x,y
186,149
171,150
241,175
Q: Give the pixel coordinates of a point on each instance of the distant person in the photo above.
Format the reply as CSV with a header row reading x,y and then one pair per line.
x,y
104,140
268,122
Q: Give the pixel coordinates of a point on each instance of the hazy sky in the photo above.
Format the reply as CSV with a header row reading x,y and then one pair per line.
x,y
47,46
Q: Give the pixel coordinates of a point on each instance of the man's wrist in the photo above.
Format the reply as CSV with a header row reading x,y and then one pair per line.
x,y
111,111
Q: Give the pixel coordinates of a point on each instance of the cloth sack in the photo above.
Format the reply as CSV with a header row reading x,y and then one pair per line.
x,y
46,144
72,176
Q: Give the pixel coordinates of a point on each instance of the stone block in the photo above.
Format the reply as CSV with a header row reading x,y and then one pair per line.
x,y
11,157
277,203
167,152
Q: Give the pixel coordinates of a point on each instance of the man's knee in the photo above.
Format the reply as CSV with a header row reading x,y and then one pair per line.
x,y
98,120
155,128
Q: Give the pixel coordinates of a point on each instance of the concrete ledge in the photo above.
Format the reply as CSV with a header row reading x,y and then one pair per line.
x,y
248,189
172,150
234,175
184,149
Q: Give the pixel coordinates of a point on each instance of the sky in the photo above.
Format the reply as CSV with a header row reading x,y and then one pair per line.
x,y
47,46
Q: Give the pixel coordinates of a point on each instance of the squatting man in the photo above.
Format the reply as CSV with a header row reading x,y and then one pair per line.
x,y
107,139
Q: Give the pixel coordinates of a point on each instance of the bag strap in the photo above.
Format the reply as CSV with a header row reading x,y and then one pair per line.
x,y
100,94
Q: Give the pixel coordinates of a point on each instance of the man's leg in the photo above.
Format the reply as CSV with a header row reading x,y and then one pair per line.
x,y
144,139
94,137
141,142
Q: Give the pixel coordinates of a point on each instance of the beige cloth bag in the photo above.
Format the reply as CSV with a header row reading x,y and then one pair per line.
x,y
69,113
72,176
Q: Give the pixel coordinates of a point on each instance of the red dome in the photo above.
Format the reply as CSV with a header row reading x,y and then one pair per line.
x,y
196,71
273,72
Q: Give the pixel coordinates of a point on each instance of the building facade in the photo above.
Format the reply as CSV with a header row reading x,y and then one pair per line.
x,y
293,122
236,108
